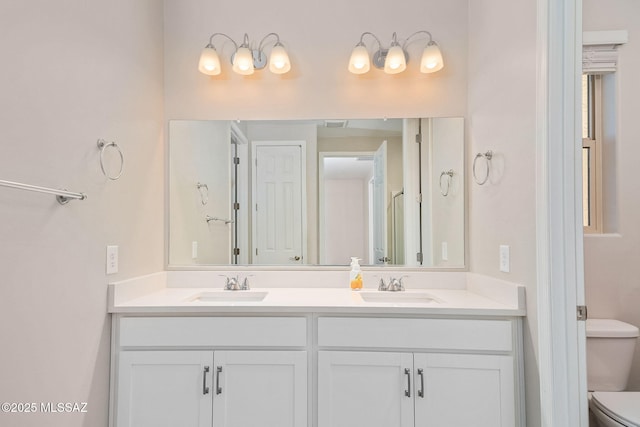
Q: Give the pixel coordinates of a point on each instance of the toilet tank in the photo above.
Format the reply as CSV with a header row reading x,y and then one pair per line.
x,y
610,347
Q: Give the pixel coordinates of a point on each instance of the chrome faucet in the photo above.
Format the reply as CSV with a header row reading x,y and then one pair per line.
x,y
233,284
395,285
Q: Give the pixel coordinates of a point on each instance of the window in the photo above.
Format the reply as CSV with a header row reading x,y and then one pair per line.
x,y
600,51
592,153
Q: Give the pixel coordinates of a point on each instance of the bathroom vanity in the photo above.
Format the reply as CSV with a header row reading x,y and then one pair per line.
x,y
328,357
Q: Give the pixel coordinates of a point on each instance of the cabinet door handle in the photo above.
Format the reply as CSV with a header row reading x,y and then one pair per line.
x,y
407,372
421,375
205,389
218,388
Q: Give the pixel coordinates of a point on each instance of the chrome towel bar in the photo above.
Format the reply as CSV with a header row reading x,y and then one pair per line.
x,y
210,218
62,196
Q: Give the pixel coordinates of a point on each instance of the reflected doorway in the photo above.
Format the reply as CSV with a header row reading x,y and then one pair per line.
x,y
352,213
278,214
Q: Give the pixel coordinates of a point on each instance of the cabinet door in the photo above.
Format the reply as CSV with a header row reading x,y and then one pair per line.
x,y
461,390
365,389
260,388
164,389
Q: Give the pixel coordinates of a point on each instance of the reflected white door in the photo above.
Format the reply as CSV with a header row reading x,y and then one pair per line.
x,y
379,214
278,203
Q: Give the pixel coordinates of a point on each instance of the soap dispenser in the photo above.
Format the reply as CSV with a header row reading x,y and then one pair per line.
x,y
355,275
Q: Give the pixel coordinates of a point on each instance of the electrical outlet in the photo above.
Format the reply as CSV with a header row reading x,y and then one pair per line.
x,y
194,249
445,251
112,259
504,258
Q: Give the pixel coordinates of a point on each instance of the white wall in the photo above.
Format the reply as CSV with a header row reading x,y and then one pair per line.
x,y
612,272
502,118
345,213
447,212
200,152
74,71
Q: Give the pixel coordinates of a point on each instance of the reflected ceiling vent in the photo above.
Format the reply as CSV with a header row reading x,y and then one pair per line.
x,y
336,123
364,158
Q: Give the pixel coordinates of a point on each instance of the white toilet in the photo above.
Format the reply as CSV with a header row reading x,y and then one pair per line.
x,y
610,348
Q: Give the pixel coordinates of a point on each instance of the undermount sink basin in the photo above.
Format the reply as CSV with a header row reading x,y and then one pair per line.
x,y
398,297
230,296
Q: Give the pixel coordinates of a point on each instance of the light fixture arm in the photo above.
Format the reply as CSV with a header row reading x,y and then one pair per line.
x,y
245,41
361,42
430,42
277,43
235,45
394,40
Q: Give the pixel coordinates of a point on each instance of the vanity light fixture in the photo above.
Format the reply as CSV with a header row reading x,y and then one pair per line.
x,y
245,60
394,59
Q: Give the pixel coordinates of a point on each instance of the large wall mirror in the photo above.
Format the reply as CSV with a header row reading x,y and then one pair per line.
x,y
317,192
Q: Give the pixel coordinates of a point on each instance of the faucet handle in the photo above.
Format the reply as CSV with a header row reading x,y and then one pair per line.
x,y
382,286
245,284
395,285
231,284
226,285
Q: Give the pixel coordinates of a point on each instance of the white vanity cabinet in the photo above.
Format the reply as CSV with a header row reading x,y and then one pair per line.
x,y
379,389
165,377
464,390
457,373
164,388
311,369
260,388
364,389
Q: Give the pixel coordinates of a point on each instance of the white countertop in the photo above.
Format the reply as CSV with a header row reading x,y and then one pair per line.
x,y
154,294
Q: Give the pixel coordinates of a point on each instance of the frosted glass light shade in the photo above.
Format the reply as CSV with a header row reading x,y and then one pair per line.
x,y
243,61
395,62
359,63
209,62
431,59
279,60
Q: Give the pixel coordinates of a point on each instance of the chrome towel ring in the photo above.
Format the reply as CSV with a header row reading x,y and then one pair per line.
x,y
449,174
203,189
487,156
103,145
